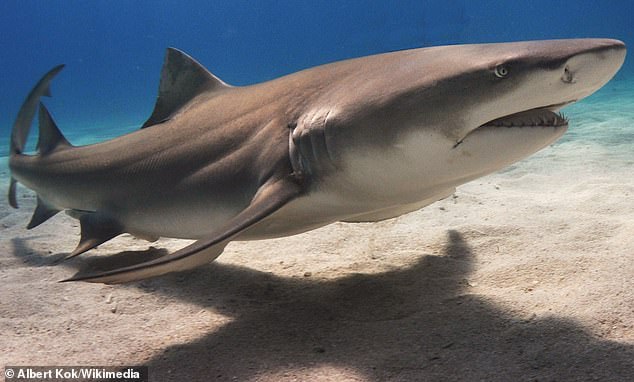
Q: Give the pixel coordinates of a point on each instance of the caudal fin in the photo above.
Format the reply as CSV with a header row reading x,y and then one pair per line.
x,y
23,121
22,125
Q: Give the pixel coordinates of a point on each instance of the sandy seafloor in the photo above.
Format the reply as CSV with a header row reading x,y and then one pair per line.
x,y
527,274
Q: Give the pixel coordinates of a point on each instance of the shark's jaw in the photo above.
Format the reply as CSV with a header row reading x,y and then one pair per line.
x,y
547,116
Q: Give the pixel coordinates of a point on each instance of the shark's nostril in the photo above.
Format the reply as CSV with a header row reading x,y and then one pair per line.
x,y
567,76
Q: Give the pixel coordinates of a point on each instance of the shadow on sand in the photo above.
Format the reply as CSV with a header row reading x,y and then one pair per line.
x,y
415,324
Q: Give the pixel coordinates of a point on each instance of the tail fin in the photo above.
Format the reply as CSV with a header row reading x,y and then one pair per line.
x,y
23,121
22,124
50,139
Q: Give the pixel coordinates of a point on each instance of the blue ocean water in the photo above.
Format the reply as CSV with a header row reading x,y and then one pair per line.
x,y
114,49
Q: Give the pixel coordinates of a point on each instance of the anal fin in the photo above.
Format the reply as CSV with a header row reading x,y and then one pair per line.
x,y
42,213
96,229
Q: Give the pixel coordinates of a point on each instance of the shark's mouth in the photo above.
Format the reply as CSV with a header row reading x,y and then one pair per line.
x,y
543,117
547,116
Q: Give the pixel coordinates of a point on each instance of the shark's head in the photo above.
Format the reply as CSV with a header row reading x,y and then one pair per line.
x,y
525,84
427,119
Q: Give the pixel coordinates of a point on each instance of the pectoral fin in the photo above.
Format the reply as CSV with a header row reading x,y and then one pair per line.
x,y
270,197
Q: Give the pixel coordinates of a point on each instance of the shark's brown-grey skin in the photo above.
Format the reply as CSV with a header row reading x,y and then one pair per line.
x,y
358,140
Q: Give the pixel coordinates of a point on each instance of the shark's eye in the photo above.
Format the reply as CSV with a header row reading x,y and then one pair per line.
x,y
501,71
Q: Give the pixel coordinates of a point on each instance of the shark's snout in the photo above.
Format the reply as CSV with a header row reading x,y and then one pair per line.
x,y
593,66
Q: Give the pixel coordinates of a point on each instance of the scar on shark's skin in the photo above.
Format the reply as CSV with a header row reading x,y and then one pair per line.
x,y
360,140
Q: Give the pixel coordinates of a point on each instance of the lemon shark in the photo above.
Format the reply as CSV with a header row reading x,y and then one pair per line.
x,y
359,140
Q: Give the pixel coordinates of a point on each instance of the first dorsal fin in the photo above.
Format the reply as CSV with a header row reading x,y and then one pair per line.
x,y
182,79
50,137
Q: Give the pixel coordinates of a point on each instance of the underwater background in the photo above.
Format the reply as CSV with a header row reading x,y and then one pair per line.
x,y
114,49
526,274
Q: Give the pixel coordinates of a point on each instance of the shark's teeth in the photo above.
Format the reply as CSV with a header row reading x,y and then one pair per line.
x,y
535,117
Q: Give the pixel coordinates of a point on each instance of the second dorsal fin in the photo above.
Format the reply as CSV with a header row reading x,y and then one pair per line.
x,y
50,138
182,79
